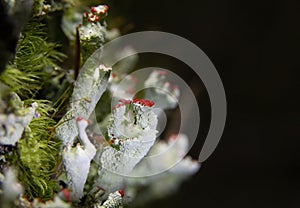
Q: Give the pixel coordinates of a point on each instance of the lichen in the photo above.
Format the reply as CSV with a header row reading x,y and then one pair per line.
x,y
131,134
114,200
47,101
14,123
89,87
77,161
162,171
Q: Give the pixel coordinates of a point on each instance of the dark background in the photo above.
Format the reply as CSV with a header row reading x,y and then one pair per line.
x,y
254,45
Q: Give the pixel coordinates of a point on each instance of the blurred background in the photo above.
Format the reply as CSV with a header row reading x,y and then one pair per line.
x,y
254,46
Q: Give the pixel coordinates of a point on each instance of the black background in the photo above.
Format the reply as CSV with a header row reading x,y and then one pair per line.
x,y
254,45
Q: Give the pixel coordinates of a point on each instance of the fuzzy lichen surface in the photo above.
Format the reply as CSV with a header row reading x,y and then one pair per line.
x,y
131,134
89,87
77,161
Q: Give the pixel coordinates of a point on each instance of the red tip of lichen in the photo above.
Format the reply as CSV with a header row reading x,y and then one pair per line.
x,y
79,118
93,18
121,192
97,10
113,75
93,9
67,195
143,102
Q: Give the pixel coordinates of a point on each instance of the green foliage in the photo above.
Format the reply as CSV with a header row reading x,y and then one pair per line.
x,y
37,7
35,60
38,155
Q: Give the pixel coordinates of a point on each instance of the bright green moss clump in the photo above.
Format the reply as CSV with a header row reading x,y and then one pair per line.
x,y
38,155
34,62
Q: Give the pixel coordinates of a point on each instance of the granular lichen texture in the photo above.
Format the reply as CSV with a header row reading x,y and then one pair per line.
x,y
63,142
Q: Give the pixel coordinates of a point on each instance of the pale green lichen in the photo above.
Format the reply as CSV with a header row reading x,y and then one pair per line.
x,y
162,171
92,31
162,92
114,200
90,83
131,134
88,89
11,186
14,123
77,161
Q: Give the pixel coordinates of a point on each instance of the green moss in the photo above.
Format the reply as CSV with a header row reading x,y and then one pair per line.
x,y
38,155
35,60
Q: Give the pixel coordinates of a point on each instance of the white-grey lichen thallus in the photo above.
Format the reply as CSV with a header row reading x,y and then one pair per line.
x,y
89,87
131,134
114,200
77,161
